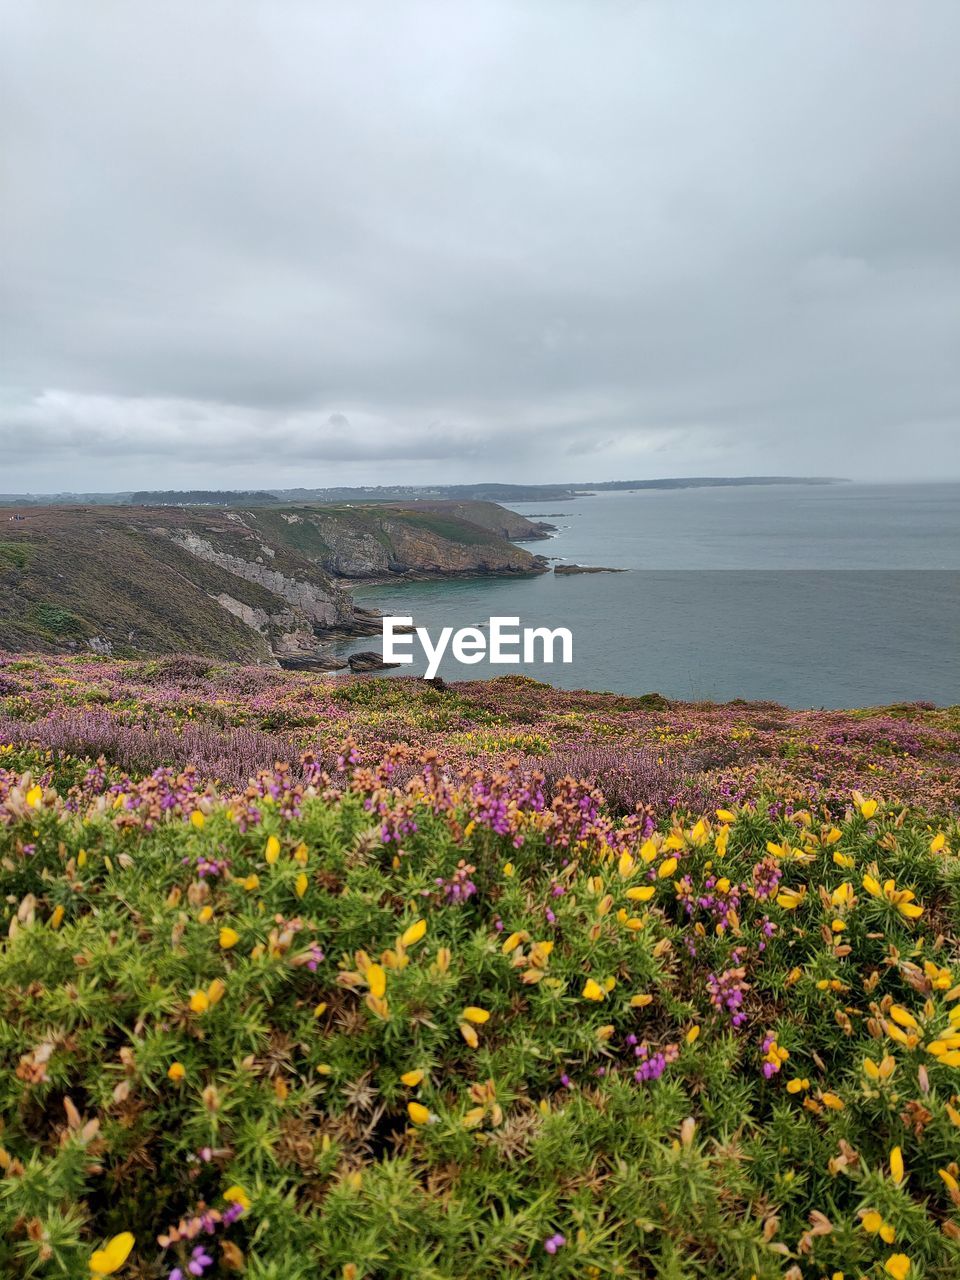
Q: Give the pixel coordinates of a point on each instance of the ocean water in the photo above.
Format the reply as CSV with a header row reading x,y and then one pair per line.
x,y
835,596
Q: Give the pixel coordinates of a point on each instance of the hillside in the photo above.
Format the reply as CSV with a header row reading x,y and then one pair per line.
x,y
422,1004
259,585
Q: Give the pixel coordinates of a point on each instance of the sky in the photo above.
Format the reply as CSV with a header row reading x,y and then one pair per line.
x,y
261,243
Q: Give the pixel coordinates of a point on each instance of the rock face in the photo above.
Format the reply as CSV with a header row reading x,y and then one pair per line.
x,y
305,598
387,541
368,660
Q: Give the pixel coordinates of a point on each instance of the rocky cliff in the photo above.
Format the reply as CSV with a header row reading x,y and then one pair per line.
x,y
263,585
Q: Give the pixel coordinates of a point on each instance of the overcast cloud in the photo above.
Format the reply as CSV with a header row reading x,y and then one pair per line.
x,y
313,243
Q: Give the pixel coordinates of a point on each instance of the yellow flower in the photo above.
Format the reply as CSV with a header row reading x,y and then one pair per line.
x,y
798,1085
197,818
251,883
199,1002
868,808
949,1180
872,1221
790,899
272,851
206,915
106,1261
33,798
237,1195
508,869
377,980
938,842
640,1001
666,869
511,943
411,1078
301,884
474,1014
726,816
692,1034
872,886
228,938
414,933
592,990
832,1101
642,893
896,1165
320,1009
902,1016
898,1266
418,1113
469,1034
56,918
216,990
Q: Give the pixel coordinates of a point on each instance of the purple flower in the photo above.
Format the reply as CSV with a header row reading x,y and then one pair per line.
x,y
554,1242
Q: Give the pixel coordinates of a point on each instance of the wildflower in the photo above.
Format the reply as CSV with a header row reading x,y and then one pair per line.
x,y
272,851
197,819
666,869
724,815
251,883
205,915
412,1078
790,899
237,1195
692,1034
554,1242
56,917
301,884
798,1085
176,1071
216,990
33,798
469,1034
199,1002
592,990
897,1266
418,1113
902,1016
508,869
773,1055
642,893
832,1101
106,1261
414,933
377,980
938,843
896,1165
868,808
228,938
474,1014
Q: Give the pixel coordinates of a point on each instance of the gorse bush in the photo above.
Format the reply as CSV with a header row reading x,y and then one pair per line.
x,y
472,1025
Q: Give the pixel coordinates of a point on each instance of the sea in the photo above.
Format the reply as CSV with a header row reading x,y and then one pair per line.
x,y
841,595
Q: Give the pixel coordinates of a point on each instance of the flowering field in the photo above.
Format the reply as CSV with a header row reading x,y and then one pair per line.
x,y
421,1004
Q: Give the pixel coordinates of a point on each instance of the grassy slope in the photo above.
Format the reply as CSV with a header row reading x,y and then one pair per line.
x,y
69,574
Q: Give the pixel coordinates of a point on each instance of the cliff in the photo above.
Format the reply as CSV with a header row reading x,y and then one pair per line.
x,y
261,585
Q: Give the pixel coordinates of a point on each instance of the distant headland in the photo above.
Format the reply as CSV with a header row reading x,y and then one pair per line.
x,y
479,492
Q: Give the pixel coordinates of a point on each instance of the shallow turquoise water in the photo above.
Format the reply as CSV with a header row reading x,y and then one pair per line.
x,y
838,596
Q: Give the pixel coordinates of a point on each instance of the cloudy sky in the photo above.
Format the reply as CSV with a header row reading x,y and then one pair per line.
x,y
299,242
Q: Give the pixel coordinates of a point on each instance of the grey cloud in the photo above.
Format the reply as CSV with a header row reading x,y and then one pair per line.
x,y
304,242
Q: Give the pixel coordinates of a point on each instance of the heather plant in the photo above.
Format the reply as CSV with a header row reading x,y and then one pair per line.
x,y
379,1016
